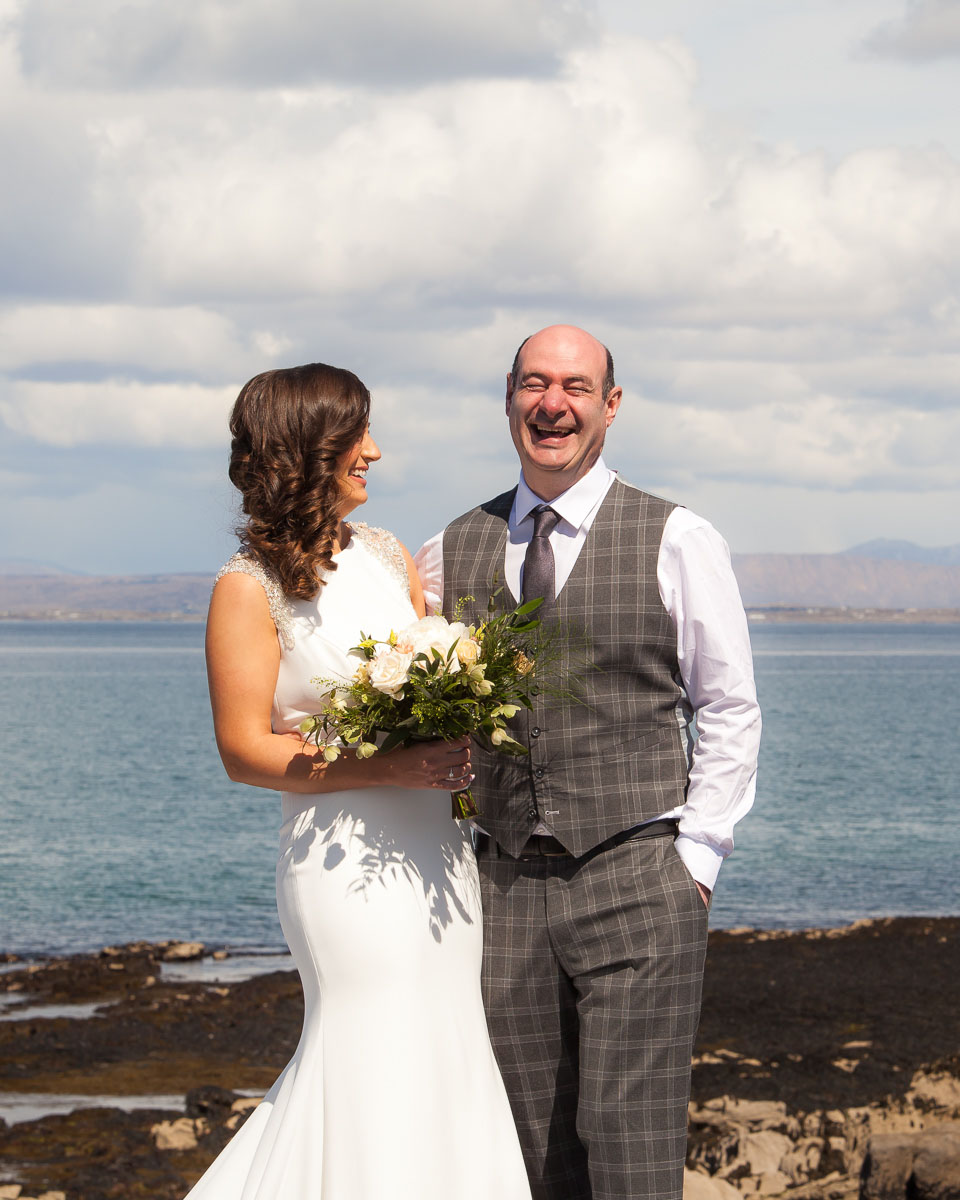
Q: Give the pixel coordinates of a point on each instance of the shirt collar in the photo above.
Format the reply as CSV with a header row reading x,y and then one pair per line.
x,y
575,504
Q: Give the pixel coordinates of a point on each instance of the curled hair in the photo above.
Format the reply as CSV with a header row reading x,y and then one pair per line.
x,y
609,383
291,430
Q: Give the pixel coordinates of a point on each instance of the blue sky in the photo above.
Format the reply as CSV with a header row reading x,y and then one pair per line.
x,y
755,204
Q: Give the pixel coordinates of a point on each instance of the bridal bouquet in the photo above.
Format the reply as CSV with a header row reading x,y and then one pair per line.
x,y
434,679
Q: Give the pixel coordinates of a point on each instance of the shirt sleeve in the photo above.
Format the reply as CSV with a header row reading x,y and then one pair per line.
x,y
700,592
429,563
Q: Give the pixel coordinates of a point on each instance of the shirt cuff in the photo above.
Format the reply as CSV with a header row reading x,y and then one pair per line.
x,y
701,860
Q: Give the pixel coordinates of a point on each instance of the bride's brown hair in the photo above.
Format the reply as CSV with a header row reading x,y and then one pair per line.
x,y
291,429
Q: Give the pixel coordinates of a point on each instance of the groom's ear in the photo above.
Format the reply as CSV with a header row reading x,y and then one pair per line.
x,y
509,398
612,403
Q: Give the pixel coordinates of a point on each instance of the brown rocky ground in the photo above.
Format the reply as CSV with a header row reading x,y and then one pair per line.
x,y
810,1044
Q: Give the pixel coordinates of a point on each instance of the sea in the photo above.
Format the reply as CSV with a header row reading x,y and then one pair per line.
x,y
117,822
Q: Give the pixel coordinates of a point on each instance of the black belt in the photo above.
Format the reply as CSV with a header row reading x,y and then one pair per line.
x,y
541,845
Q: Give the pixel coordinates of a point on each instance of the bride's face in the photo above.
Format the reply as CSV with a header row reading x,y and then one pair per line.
x,y
352,472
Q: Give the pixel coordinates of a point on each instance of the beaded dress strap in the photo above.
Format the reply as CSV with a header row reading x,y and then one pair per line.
x,y
384,546
246,564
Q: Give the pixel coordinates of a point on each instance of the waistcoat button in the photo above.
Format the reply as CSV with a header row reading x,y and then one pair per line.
x,y
539,772
532,814
535,731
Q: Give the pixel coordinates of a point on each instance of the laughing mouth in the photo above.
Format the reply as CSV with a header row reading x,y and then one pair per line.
x,y
547,431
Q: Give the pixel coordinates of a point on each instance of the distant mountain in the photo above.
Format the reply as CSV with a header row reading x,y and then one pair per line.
x,y
27,566
66,595
877,574
848,580
898,551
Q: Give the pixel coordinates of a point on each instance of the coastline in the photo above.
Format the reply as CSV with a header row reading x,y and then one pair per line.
x,y
810,1043
776,614
103,616
782,614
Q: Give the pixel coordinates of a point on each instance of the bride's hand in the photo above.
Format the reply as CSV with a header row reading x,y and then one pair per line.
x,y
443,765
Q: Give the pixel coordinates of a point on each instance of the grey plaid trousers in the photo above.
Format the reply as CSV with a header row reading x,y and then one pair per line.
x,y
592,975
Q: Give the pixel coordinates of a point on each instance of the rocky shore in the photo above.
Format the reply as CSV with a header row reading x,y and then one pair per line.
x,y
827,1066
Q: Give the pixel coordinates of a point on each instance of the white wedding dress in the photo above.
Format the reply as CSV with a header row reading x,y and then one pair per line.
x,y
393,1092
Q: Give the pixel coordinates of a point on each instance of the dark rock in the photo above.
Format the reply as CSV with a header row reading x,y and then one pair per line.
x,y
183,951
210,1102
849,1015
936,1169
824,1037
887,1167
913,1166
95,1154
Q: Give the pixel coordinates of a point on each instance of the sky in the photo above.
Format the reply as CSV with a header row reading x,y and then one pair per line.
x,y
755,205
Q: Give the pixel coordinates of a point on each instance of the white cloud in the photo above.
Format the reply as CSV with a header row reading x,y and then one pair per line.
x,y
928,29
782,518
781,317
429,436
607,188
188,339
717,372
416,230
118,412
820,441
246,43
110,527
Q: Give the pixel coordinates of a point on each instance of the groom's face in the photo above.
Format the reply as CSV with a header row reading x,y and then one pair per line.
x,y
558,414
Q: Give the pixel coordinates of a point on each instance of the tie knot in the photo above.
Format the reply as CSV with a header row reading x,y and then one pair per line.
x,y
544,521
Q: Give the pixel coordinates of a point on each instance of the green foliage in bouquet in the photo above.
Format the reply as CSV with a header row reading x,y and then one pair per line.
x,y
436,679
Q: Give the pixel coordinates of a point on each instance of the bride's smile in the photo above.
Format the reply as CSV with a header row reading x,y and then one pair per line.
x,y
353,472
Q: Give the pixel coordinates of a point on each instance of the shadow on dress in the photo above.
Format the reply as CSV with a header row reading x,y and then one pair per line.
x,y
440,869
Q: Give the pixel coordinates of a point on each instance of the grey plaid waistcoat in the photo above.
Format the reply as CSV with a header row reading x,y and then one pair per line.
x,y
602,766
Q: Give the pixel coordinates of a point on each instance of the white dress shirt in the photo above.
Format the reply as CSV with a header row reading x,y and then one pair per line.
x,y
699,592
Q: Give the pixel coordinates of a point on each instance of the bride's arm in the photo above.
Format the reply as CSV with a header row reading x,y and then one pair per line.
x,y
243,661
416,588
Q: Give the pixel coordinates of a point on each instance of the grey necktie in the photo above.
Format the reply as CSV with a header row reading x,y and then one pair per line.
x,y
539,578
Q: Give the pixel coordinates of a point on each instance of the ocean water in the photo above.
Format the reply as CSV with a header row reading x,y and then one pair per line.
x,y
117,822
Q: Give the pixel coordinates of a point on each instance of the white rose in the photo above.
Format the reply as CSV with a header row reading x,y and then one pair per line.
x,y
388,671
433,636
468,651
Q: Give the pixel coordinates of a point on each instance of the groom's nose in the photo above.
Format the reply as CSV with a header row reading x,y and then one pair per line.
x,y
554,400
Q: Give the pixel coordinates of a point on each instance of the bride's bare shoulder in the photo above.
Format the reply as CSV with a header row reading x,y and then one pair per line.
x,y
246,581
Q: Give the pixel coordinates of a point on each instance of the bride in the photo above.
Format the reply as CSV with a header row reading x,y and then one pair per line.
x,y
393,1091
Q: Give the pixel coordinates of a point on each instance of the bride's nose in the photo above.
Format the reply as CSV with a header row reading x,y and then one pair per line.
x,y
370,450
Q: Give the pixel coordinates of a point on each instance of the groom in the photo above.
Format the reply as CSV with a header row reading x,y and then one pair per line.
x,y
601,848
